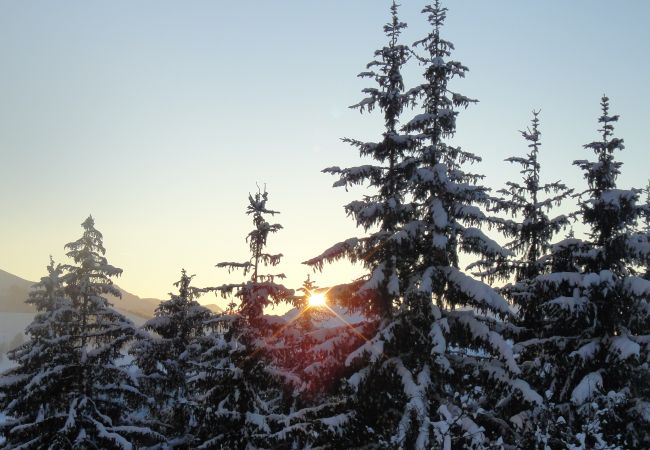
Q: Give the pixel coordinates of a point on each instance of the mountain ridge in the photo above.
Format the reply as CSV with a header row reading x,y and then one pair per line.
x,y
14,291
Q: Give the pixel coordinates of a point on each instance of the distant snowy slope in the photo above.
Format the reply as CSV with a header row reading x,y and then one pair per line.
x,y
13,292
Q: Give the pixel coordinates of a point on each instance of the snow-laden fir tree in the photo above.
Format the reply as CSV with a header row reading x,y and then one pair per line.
x,y
531,230
69,390
531,233
438,365
167,359
240,387
592,351
384,212
44,367
387,207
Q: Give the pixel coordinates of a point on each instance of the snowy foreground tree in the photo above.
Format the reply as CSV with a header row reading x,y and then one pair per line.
x,y
68,390
167,359
590,352
239,386
437,373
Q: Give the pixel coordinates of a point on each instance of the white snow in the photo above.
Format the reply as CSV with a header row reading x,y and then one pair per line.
x,y
588,386
438,213
615,196
572,279
482,294
572,305
587,351
624,347
637,286
490,338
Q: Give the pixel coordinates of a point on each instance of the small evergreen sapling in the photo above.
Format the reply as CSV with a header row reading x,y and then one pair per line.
x,y
167,359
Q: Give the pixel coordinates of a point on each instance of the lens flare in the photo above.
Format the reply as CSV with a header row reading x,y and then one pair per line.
x,y
317,300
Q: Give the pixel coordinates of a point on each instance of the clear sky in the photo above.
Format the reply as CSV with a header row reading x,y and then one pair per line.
x,y
159,117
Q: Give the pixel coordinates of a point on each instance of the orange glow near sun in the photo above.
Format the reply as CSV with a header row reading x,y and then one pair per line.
x,y
317,300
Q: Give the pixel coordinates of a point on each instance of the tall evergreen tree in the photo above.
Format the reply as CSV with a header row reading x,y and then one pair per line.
x,y
593,350
386,211
241,389
387,208
531,232
76,394
167,359
414,393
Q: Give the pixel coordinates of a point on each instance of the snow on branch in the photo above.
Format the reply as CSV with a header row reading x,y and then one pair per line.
x,y
335,252
477,293
591,384
481,333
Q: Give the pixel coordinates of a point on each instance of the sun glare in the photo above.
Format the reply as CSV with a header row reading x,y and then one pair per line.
x,y
317,300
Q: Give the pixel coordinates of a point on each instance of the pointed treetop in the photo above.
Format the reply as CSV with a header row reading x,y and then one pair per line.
x,y
183,285
602,175
89,222
437,15
608,129
533,134
257,203
393,29
51,265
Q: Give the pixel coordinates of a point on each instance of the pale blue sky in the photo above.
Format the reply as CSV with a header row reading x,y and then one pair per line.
x,y
158,117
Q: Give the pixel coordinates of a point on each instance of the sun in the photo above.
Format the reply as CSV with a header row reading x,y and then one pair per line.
x,y
316,300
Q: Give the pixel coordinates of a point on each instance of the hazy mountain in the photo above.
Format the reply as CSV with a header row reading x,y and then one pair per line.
x,y
14,291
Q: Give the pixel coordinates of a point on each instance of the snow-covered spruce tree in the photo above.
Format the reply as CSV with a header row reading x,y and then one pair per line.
x,y
79,397
385,212
240,388
441,363
615,346
45,364
103,391
531,232
387,208
593,349
167,360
